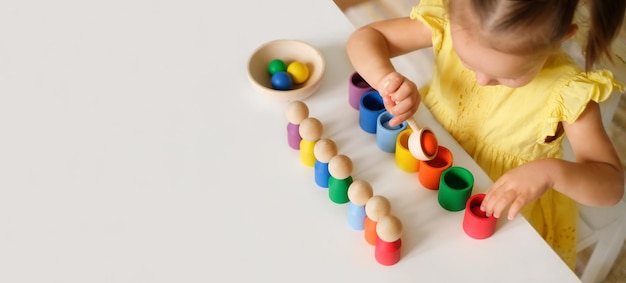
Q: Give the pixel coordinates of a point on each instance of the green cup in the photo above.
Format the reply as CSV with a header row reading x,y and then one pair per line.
x,y
455,188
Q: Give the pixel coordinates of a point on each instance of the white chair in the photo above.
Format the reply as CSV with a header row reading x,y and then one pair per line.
x,y
601,229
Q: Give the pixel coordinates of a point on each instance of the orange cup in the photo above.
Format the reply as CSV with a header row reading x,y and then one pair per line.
x,y
430,170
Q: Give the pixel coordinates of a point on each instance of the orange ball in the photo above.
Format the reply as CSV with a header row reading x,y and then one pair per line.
x,y
429,143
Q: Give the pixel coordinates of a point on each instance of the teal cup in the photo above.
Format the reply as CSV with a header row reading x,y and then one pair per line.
x,y
455,188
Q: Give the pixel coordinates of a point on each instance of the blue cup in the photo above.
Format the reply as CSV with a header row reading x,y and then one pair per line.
x,y
370,107
386,135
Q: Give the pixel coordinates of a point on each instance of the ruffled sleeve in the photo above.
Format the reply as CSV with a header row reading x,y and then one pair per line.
x,y
577,92
433,14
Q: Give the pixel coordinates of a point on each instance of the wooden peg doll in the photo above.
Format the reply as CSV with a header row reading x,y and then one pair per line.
x,y
375,208
296,112
388,246
324,150
359,192
340,169
311,131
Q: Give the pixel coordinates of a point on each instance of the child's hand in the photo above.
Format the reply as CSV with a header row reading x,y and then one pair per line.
x,y
400,96
517,188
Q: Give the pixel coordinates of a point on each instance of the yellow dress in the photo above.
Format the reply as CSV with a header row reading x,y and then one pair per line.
x,y
502,127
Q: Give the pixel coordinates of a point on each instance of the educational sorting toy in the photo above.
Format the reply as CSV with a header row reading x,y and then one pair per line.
x,y
403,157
371,213
422,143
389,242
359,193
356,88
387,135
375,208
288,51
296,112
455,188
475,223
324,150
283,76
416,149
311,131
430,171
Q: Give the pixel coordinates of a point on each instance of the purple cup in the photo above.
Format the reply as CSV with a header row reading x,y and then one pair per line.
x,y
357,87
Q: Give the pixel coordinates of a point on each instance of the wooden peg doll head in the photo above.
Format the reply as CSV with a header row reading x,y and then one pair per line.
x,y
311,129
359,192
296,112
377,207
324,150
389,228
340,166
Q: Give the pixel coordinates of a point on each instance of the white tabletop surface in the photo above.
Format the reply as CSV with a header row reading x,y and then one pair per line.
x,y
134,149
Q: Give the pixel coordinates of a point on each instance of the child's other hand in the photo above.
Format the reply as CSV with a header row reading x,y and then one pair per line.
x,y
516,188
400,96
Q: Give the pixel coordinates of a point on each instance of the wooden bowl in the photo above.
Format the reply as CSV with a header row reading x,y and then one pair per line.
x,y
288,51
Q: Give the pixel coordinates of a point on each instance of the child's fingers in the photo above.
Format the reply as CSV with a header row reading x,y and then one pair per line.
x,y
493,198
390,84
399,97
401,111
400,107
404,91
398,119
389,103
515,208
502,203
487,204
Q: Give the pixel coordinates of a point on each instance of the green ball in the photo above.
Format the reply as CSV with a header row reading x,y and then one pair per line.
x,y
276,66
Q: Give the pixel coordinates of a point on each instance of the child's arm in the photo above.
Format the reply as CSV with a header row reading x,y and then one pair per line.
x,y
370,49
596,178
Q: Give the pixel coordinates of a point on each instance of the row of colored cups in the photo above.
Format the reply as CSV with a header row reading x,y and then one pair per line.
x,y
454,183
374,119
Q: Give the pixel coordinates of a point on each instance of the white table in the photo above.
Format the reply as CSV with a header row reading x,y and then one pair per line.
x,y
133,149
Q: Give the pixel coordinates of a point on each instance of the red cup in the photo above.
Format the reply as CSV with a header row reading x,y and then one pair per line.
x,y
475,223
430,170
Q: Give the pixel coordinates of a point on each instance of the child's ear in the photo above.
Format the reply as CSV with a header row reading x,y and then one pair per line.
x,y
573,28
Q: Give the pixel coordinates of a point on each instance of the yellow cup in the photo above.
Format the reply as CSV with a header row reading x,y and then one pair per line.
x,y
404,159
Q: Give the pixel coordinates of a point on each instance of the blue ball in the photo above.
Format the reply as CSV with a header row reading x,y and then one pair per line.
x,y
282,81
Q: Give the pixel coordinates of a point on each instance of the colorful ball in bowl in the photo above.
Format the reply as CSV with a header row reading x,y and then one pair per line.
x,y
289,51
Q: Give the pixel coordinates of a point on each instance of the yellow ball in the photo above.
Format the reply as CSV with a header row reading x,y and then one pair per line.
x,y
299,72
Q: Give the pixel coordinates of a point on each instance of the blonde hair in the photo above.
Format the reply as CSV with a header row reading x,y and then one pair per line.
x,y
544,24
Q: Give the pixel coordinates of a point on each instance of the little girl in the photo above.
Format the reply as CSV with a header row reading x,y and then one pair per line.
x,y
507,92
